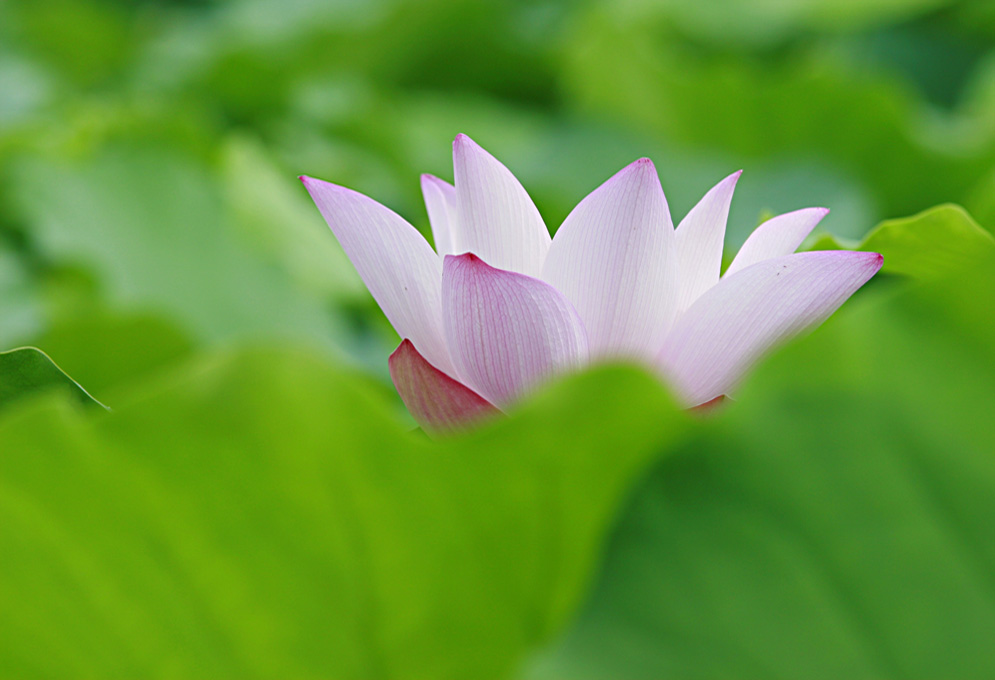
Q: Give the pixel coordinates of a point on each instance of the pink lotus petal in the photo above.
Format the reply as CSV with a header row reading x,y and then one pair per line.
x,y
507,332
498,221
700,237
395,262
440,201
614,259
745,314
436,402
777,236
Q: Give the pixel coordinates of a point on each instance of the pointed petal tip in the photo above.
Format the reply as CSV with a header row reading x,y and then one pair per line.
x,y
430,180
642,165
467,257
872,260
641,169
818,211
467,262
314,184
462,140
402,349
436,401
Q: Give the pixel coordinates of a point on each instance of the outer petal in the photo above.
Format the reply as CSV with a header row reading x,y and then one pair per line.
x,y
733,324
613,258
440,200
777,236
437,402
395,262
498,221
700,237
507,332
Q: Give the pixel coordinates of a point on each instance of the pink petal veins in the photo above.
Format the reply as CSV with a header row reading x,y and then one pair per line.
x,y
614,259
440,201
395,262
734,323
699,239
777,236
507,332
497,219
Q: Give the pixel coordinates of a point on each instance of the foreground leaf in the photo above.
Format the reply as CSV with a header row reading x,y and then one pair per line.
x,y
835,523
264,515
28,370
938,242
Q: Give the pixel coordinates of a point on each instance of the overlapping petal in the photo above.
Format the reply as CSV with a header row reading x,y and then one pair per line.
x,y
483,328
497,219
731,325
777,236
699,240
394,261
440,201
436,402
614,259
507,332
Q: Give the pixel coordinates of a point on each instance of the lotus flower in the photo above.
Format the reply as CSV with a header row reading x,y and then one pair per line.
x,y
500,307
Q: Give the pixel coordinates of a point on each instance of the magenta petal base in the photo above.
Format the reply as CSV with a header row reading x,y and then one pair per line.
x,y
437,402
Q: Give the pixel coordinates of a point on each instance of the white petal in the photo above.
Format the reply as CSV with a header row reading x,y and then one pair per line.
x,y
508,332
395,262
440,201
614,259
716,341
777,236
498,221
700,237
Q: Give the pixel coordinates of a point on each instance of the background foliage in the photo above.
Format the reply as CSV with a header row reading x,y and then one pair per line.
x,y
253,504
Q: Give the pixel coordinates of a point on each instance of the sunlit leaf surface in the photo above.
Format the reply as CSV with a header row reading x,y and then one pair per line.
x,y
264,514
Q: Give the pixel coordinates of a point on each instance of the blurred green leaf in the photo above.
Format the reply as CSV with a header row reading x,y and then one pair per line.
x,y
20,307
152,224
88,41
809,99
938,242
106,351
274,215
834,522
263,514
981,202
28,370
769,21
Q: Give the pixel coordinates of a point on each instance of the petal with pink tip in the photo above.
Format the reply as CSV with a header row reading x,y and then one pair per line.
x,y
777,236
507,332
745,314
436,402
498,221
440,201
699,240
395,262
614,259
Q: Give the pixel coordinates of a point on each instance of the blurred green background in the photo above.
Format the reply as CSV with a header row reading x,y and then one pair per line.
x,y
148,150
253,505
